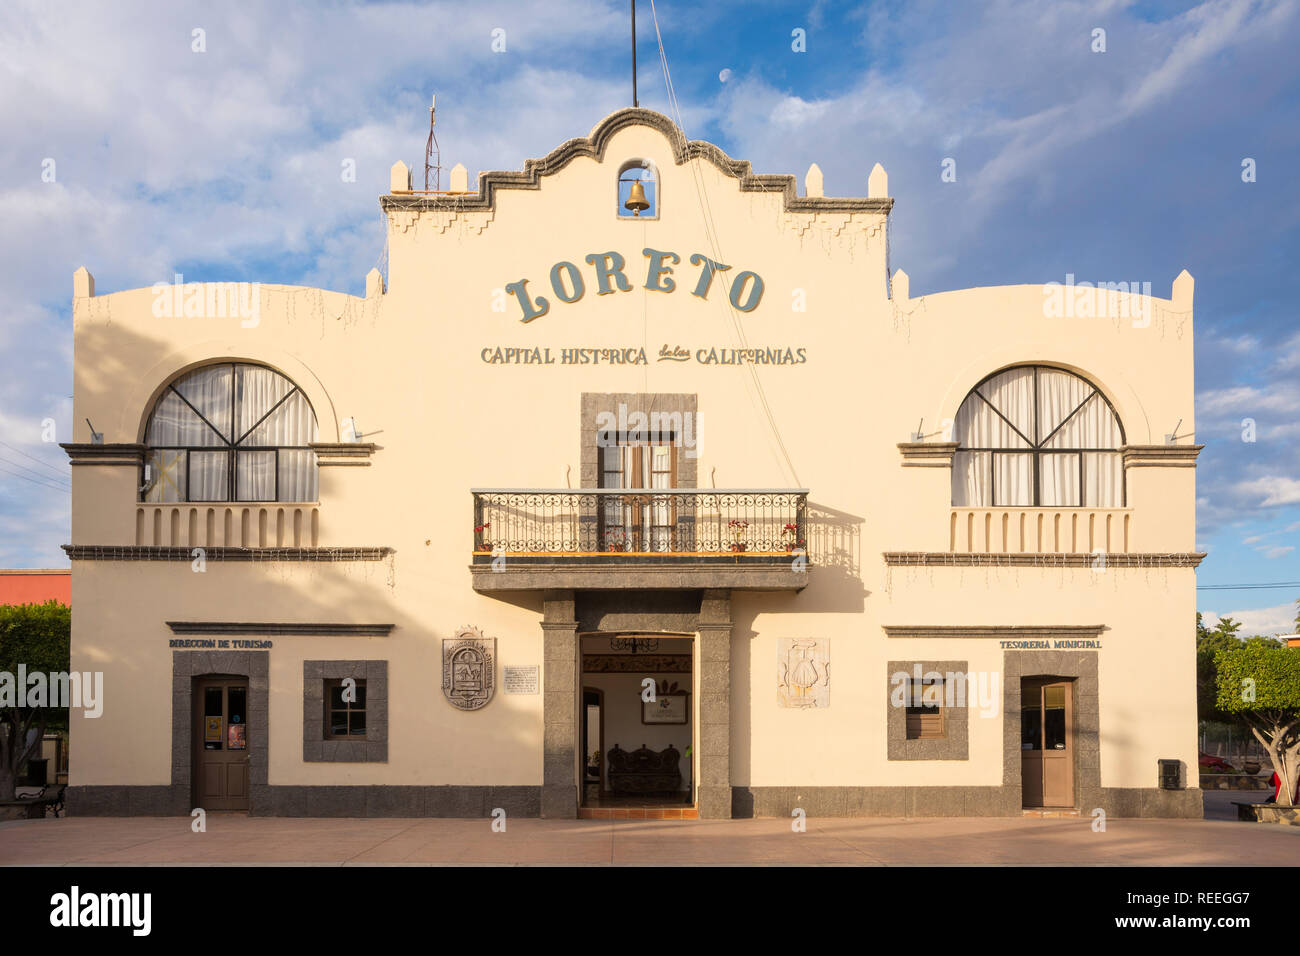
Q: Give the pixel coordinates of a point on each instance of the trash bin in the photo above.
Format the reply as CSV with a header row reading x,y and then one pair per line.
x,y
37,768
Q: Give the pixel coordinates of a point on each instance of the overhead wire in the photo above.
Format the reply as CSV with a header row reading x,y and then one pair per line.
x,y
1246,587
57,471
710,232
35,481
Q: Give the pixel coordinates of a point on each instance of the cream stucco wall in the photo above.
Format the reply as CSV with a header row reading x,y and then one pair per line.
x,y
406,364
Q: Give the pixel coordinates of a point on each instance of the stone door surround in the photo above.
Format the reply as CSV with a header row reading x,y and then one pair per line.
x,y
710,619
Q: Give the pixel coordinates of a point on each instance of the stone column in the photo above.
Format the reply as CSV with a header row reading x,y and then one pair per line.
x,y
560,656
713,658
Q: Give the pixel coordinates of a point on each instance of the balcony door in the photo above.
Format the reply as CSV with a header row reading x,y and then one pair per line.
x,y
1047,742
644,521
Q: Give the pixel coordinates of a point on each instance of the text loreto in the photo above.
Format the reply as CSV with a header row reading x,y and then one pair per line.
x,y
745,291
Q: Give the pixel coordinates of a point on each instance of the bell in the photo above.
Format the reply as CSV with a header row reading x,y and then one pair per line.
x,y
636,200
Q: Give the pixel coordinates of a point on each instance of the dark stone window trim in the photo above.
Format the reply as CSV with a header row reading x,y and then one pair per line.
x,y
316,748
954,745
648,403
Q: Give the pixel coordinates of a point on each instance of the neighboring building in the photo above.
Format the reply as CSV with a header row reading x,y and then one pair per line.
x,y
418,553
35,585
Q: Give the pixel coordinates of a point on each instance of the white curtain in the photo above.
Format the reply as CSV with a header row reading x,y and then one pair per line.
x,y
1013,480
979,426
208,390
255,472
257,390
206,476
658,463
1069,410
297,475
1092,426
970,479
1058,481
174,422
1103,480
209,475
169,479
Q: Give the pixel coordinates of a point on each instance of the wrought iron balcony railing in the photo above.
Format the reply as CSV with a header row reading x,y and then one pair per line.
x,y
685,521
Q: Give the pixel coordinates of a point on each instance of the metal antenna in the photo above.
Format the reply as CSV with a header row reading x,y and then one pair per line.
x,y
634,99
432,153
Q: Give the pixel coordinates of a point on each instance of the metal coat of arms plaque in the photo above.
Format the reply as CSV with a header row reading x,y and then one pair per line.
x,y
469,668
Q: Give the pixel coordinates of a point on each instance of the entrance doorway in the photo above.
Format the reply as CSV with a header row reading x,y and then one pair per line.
x,y
221,743
1047,742
637,726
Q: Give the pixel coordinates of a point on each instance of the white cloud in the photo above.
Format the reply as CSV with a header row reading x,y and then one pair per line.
x,y
232,158
1266,621
1272,490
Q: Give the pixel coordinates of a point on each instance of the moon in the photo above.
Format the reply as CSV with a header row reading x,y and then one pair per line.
x,y
724,76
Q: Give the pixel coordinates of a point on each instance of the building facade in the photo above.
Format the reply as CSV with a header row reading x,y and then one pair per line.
x,y
35,585
637,481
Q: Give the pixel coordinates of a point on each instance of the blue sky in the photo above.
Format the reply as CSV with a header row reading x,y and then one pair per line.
x,y
1115,165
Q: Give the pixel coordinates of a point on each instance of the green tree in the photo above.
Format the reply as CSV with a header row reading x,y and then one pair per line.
x,y
1209,641
37,637
1260,684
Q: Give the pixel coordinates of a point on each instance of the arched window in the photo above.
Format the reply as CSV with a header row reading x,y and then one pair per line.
x,y
231,432
1037,436
646,206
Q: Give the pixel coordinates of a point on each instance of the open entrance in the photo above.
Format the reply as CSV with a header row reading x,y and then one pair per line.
x,y
637,727
220,774
1047,742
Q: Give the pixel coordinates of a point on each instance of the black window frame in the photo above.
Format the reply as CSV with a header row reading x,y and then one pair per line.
x,y
1035,449
230,449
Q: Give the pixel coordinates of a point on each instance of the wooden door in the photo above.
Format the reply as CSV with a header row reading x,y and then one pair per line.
x,y
1047,742
221,743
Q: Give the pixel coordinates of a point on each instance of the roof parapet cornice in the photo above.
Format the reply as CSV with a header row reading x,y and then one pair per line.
x,y
594,147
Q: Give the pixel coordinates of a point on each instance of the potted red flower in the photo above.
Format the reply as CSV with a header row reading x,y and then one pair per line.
x,y
790,537
736,528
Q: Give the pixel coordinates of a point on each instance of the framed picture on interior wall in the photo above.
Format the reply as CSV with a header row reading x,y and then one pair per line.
x,y
670,706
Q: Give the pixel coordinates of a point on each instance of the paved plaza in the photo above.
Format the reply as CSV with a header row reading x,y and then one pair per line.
x,y
235,838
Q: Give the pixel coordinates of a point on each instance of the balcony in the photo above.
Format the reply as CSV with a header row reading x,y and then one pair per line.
x,y
590,538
